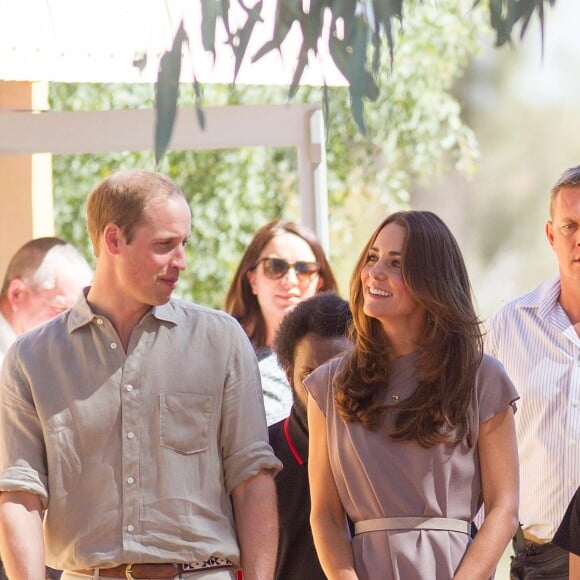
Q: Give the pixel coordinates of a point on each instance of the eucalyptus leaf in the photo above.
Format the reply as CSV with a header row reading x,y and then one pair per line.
x,y
210,11
225,14
311,25
298,71
357,109
166,92
505,14
241,39
198,103
287,13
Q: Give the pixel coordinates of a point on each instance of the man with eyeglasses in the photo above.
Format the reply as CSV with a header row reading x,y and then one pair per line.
x,y
44,278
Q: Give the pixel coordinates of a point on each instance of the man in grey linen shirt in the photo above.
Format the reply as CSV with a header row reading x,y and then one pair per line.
x,y
536,337
43,279
136,420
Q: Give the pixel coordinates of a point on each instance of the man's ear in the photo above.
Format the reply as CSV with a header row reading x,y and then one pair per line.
x,y
550,232
18,293
111,238
289,372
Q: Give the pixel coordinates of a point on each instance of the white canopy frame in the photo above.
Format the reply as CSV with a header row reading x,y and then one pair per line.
x,y
297,126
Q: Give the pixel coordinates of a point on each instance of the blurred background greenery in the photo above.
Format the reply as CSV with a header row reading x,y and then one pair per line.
x,y
475,133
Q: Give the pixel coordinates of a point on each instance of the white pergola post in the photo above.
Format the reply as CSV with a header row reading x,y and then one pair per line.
x,y
312,179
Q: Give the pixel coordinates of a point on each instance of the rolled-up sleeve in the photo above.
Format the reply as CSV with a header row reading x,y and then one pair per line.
x,y
22,450
244,434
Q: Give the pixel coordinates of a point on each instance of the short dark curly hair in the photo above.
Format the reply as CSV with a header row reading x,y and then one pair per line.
x,y
326,314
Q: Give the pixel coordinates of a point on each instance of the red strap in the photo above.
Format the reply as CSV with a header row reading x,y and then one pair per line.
x,y
291,444
239,574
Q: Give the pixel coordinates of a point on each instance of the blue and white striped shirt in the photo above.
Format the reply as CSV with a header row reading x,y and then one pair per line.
x,y
537,344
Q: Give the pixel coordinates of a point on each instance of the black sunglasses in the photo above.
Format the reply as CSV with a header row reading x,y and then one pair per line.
x,y
275,268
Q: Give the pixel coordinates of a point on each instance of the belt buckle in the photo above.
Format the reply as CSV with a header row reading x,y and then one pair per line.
x,y
128,574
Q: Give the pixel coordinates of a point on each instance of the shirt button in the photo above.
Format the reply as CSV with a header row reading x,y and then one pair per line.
x,y
130,528
130,480
129,388
130,435
100,321
576,403
572,442
113,345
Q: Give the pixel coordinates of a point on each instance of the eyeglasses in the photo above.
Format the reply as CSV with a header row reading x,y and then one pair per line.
x,y
276,268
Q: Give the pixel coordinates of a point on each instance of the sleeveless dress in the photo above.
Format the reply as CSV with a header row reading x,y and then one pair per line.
x,y
377,477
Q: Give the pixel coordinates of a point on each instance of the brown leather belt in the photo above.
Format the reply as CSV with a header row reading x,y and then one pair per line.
x,y
147,571
534,539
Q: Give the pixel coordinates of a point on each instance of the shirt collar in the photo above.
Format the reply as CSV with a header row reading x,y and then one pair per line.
x,y
544,298
81,313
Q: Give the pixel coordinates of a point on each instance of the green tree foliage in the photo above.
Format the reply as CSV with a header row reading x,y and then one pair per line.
x,y
358,30
414,130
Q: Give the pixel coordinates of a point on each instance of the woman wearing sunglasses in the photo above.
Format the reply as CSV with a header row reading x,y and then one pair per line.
x,y
283,265
414,428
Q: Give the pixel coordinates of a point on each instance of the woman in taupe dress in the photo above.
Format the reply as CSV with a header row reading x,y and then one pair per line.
x,y
413,430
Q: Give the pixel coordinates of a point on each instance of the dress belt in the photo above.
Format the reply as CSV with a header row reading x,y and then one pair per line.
x,y
412,523
154,571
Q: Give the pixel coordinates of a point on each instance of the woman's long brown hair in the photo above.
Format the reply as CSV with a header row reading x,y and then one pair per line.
x,y
451,349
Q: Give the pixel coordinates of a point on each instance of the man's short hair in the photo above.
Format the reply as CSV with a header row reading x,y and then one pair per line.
x,y
121,199
570,178
34,262
326,314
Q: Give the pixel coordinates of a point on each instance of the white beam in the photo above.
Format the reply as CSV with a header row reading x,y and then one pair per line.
x,y
297,126
132,129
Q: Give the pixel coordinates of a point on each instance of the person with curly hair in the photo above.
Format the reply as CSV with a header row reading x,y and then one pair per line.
x,y
312,333
413,430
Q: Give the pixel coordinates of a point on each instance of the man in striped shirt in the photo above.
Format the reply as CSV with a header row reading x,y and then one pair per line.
x,y
536,337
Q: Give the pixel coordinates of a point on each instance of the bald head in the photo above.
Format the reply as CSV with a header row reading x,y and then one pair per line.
x,y
43,278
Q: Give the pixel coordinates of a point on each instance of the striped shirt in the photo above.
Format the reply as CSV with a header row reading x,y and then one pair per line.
x,y
536,342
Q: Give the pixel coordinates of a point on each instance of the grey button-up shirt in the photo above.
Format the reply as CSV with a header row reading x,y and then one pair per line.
x,y
134,454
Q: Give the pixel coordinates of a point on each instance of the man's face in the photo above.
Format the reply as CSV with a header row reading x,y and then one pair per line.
x,y
563,232
39,305
310,352
149,267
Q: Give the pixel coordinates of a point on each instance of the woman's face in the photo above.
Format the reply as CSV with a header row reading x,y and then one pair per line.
x,y
385,294
276,296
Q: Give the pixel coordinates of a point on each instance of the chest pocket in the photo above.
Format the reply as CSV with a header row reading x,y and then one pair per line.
x,y
184,421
